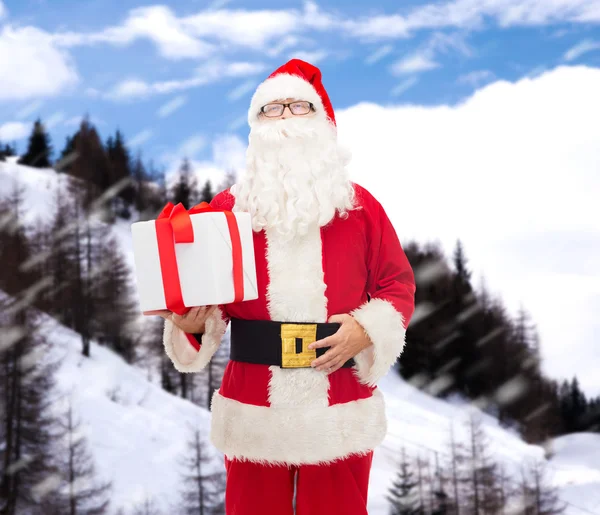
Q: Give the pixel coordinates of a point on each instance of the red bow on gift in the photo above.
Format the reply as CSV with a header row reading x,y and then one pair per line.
x,y
173,225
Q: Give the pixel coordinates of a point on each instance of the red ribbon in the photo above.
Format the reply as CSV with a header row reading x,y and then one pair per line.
x,y
173,225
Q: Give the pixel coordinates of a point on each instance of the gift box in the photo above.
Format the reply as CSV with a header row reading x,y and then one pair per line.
x,y
196,257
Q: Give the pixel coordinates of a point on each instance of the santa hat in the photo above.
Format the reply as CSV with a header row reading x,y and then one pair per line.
x,y
295,79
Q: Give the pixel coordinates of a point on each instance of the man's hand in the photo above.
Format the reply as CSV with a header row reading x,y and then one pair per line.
x,y
346,343
192,322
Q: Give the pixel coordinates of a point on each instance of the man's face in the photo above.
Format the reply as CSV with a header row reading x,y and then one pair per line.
x,y
287,112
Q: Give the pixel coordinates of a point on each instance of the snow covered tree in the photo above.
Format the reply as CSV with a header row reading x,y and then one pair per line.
x,y
79,490
216,368
483,495
457,460
39,148
441,501
203,485
403,495
147,507
538,497
27,458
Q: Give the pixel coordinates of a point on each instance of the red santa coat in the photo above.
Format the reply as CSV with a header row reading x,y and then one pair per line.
x,y
300,416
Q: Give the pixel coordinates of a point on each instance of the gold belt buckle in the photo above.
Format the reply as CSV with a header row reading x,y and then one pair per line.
x,y
295,339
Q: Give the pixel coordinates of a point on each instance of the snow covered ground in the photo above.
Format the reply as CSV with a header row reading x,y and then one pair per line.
x,y
138,432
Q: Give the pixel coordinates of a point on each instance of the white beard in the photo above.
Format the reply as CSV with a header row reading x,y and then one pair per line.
x,y
295,176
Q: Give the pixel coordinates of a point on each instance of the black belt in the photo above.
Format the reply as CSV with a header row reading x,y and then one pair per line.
x,y
285,344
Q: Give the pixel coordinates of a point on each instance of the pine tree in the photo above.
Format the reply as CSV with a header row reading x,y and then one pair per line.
x,y
483,496
202,489
143,191
26,420
79,492
537,496
403,494
112,297
120,177
147,507
458,460
228,181
441,499
59,264
207,194
39,148
184,190
4,151
423,488
68,154
216,368
573,405
462,275
92,170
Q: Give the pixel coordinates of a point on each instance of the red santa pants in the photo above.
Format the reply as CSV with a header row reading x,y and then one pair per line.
x,y
338,488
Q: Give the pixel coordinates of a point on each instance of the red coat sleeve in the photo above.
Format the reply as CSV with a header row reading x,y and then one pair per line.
x,y
391,288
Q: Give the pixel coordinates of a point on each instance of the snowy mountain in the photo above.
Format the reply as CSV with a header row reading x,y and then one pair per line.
x,y
138,432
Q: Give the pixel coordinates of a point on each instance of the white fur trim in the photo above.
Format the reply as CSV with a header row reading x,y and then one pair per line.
x,y
289,435
283,85
184,356
385,327
297,296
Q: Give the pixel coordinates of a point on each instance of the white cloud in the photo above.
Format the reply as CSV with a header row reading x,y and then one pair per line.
x,y
513,172
203,33
210,72
31,66
240,121
417,62
587,45
424,59
29,109
140,138
229,152
241,90
379,54
192,145
470,14
476,78
2,10
283,44
403,86
14,131
54,119
157,23
171,106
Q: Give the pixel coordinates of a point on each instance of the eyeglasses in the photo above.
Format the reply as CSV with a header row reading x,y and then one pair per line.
x,y
296,108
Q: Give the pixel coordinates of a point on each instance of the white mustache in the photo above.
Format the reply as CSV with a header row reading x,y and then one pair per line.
x,y
287,129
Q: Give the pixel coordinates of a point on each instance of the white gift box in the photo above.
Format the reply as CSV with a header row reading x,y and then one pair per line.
x,y
205,266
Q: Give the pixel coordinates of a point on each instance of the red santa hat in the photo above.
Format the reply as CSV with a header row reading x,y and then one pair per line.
x,y
295,79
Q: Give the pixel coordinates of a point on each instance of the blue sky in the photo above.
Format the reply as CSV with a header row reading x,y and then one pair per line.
x,y
485,111
184,71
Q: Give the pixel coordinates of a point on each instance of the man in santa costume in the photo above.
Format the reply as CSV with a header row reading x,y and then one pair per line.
x,y
299,410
